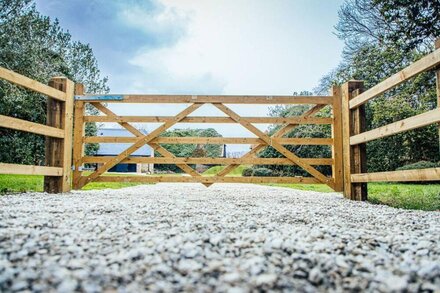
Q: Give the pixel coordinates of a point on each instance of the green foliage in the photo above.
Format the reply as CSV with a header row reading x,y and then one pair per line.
x,y
35,46
262,172
304,151
381,38
247,172
419,165
190,150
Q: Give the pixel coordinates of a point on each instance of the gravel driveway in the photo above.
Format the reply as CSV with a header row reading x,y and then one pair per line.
x,y
234,238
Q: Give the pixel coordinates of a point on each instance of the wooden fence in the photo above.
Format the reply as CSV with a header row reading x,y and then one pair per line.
x,y
355,135
348,138
261,140
58,131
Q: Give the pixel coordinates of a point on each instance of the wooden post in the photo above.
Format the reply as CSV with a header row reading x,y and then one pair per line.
x,y
337,166
353,122
437,75
59,151
78,134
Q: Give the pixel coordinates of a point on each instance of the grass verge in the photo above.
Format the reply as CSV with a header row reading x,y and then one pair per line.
x,y
23,183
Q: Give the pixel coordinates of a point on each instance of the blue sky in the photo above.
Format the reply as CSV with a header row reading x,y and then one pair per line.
x,y
262,47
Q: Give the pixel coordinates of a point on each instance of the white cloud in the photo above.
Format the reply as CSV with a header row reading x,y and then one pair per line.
x,y
237,47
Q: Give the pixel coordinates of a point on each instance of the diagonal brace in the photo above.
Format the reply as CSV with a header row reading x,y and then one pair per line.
x,y
276,145
144,139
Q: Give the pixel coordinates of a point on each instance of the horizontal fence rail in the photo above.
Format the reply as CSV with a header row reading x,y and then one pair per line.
x,y
155,141
207,119
188,99
424,64
31,84
355,136
210,140
58,131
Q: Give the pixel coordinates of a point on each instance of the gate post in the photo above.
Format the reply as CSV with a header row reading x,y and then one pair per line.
x,y
353,122
59,150
337,166
78,134
437,79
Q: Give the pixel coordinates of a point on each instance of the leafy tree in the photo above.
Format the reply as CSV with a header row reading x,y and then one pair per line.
x,y
36,46
304,151
190,150
382,37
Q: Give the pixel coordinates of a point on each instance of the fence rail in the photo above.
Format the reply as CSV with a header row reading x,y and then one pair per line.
x,y
58,131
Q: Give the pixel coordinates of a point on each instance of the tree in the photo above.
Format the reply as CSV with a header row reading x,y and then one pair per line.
x,y
190,150
382,37
35,46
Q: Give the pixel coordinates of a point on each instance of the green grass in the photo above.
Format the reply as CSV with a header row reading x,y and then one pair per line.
x,y
406,196
214,170
308,187
23,183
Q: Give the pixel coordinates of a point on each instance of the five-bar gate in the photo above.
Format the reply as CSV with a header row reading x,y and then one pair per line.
x,y
260,141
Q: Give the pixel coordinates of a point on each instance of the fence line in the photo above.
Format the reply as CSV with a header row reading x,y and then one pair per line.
x,y
58,131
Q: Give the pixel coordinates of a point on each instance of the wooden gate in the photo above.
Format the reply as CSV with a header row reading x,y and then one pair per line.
x,y
262,140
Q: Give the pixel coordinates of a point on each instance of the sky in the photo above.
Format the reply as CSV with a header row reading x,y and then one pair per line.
x,y
221,47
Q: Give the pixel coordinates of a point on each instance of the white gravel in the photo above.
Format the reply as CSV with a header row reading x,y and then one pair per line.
x,y
236,238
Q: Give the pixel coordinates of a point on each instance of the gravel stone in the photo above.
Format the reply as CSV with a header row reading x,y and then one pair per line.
x,y
226,238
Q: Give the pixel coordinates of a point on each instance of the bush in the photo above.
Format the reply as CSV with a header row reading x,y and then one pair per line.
x,y
247,172
418,165
263,172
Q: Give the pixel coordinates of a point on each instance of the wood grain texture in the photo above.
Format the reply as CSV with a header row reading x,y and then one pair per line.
x,y
208,119
207,179
27,126
425,63
414,122
209,161
31,84
431,174
210,140
30,170
203,99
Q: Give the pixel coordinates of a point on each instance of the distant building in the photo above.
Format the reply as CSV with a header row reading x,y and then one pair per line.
x,y
114,149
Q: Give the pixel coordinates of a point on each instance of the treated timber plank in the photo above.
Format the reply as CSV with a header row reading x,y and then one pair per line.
x,y
207,179
30,170
289,155
431,174
424,64
351,156
59,151
79,132
143,140
23,125
414,122
337,172
210,140
437,85
209,161
31,84
207,119
178,99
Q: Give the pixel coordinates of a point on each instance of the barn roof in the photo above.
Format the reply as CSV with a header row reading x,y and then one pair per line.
x,y
113,149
